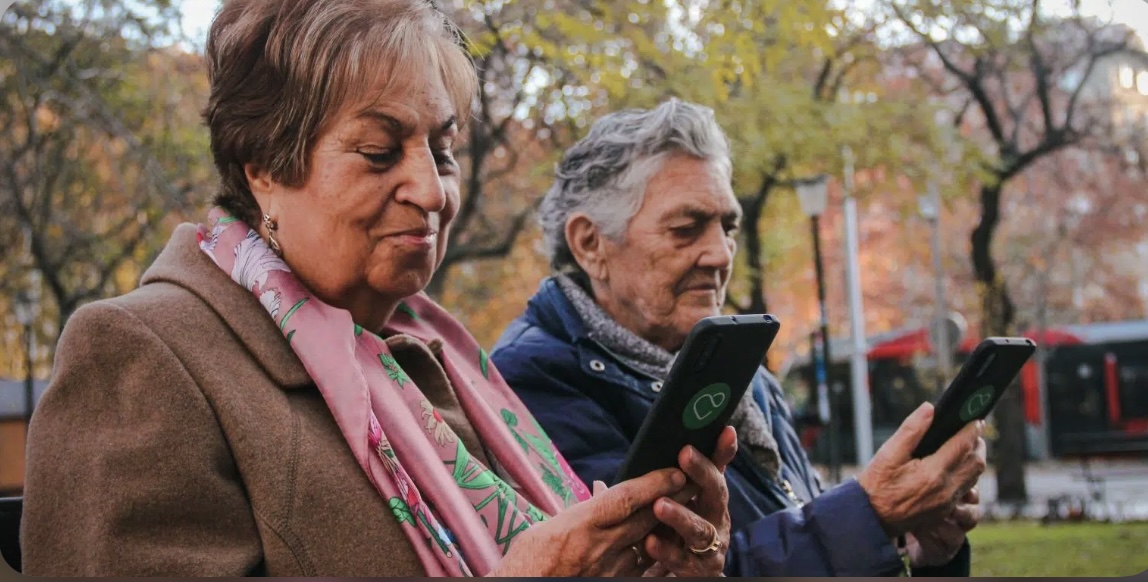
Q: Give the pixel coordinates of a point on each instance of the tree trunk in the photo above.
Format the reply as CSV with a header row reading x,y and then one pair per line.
x,y
752,207
997,313
753,255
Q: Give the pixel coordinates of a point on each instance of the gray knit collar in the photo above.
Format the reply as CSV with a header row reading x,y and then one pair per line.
x,y
633,350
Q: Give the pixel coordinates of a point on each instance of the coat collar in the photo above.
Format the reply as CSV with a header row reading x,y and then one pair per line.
x,y
183,264
554,313
550,310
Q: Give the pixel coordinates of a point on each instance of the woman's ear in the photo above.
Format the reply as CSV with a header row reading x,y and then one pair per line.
x,y
261,185
588,246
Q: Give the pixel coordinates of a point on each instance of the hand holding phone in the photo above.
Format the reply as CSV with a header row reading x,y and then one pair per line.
x,y
716,365
904,499
976,389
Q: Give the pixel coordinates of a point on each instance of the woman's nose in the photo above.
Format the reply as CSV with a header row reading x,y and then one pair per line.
x,y
718,252
421,185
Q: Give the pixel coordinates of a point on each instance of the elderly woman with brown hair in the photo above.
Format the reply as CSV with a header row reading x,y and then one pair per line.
x,y
279,397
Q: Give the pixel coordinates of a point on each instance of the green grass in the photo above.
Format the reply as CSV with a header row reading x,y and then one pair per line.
x,y
1075,549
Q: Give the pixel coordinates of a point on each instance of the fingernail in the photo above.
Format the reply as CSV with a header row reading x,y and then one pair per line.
x,y
678,479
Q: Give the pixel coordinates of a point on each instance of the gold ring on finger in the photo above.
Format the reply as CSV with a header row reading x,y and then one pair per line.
x,y
714,544
637,554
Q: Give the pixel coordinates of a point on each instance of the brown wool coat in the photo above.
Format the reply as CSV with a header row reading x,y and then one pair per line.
x,y
180,436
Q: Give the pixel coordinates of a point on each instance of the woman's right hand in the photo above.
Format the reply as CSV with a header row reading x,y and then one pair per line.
x,y
601,536
908,493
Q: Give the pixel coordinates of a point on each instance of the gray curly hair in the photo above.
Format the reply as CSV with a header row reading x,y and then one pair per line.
x,y
605,174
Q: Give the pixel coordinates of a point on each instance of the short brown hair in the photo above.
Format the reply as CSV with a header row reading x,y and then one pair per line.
x,y
281,69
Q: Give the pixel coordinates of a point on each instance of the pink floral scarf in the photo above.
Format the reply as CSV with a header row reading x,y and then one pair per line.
x,y
460,516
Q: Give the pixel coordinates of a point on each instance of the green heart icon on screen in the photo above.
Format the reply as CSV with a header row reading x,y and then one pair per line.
x,y
978,403
706,406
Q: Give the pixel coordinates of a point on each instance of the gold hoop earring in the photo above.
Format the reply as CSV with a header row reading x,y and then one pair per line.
x,y
271,227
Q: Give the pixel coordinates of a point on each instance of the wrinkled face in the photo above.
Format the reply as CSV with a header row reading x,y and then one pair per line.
x,y
369,225
672,266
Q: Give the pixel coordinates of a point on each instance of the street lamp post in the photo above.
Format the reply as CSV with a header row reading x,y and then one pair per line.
x,y
858,361
25,314
930,208
813,195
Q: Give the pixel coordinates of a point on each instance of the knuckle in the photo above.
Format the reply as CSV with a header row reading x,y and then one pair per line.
x,y
935,482
608,504
621,504
627,505
968,446
701,532
979,464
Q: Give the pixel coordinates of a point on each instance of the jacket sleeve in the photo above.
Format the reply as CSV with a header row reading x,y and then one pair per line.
x,y
128,472
836,534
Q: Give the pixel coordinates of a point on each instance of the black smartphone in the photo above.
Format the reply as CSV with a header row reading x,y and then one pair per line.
x,y
976,389
714,368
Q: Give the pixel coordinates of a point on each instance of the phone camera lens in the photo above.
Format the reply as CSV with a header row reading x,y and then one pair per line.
x,y
707,354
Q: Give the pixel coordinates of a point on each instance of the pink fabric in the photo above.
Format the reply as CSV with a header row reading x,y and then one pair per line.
x,y
460,516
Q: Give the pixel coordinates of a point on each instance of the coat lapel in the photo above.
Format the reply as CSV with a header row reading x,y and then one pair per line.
x,y
183,264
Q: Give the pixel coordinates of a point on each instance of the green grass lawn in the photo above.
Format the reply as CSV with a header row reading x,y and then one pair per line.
x,y
1074,549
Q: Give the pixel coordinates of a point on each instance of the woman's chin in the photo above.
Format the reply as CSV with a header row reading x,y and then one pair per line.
x,y
701,303
402,285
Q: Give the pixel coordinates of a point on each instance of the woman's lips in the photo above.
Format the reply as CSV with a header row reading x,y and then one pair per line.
x,y
418,238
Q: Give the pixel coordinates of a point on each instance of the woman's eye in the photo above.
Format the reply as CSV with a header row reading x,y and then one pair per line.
x,y
444,157
384,158
685,234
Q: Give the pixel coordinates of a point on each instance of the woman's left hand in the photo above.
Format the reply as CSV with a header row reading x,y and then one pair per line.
x,y
696,538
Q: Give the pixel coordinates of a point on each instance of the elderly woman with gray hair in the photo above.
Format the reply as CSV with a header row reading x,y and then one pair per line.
x,y
640,226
